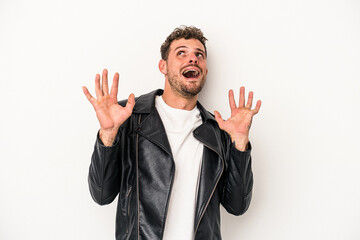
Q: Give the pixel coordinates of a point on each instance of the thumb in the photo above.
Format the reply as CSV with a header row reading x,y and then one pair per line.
x,y
130,103
219,119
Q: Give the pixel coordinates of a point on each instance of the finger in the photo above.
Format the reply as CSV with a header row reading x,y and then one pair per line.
x,y
105,88
130,103
250,100
231,99
242,97
98,91
115,85
91,99
219,119
257,107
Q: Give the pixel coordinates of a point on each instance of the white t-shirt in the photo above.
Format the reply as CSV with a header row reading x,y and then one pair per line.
x,y
187,152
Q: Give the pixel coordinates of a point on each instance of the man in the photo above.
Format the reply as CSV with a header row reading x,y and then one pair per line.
x,y
171,162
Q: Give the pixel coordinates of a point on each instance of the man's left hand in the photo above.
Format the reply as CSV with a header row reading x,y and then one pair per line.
x,y
239,123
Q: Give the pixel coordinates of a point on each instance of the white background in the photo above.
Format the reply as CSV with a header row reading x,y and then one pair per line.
x,y
301,58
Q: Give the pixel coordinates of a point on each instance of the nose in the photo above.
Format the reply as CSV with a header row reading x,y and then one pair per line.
x,y
193,58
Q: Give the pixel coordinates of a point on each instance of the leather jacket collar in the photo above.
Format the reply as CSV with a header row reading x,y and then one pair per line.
x,y
146,104
206,133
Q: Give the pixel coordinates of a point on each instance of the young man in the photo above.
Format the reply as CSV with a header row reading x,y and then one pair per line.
x,y
171,162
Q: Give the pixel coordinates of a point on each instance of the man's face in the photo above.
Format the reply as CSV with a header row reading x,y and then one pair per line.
x,y
185,68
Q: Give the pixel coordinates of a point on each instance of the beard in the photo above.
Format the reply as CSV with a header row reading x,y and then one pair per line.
x,y
186,90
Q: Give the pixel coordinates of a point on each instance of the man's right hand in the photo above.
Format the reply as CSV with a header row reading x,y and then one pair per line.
x,y
109,113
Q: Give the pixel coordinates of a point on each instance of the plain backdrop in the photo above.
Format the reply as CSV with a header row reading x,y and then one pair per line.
x,y
301,58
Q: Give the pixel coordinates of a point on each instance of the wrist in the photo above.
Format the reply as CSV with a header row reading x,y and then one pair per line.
x,y
108,136
240,142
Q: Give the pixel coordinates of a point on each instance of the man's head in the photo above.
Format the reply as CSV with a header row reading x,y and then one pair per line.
x,y
184,61
182,32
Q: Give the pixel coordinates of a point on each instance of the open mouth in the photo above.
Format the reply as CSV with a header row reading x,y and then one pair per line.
x,y
191,73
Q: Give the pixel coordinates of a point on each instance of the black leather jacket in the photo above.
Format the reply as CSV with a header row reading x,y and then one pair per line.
x,y
140,168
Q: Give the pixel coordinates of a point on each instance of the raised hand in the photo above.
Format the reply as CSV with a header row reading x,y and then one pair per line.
x,y
109,113
239,123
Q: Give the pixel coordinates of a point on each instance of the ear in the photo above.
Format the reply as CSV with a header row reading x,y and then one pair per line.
x,y
162,66
206,72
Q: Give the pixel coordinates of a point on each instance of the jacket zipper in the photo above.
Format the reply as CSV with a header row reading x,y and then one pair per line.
x,y
167,200
212,193
137,180
137,172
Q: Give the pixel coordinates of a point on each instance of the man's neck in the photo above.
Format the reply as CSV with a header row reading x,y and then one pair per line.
x,y
174,100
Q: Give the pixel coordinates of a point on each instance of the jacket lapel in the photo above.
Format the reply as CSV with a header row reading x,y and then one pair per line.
x,y
153,129
212,166
151,126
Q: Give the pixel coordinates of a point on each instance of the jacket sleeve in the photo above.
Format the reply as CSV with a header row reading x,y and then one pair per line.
x,y
104,172
238,179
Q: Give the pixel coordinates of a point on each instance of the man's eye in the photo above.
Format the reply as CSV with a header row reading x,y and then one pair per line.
x,y
199,55
180,53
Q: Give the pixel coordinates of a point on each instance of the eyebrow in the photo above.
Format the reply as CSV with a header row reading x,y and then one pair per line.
x,y
199,49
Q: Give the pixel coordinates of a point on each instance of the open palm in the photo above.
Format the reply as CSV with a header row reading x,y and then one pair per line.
x,y
238,125
109,113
